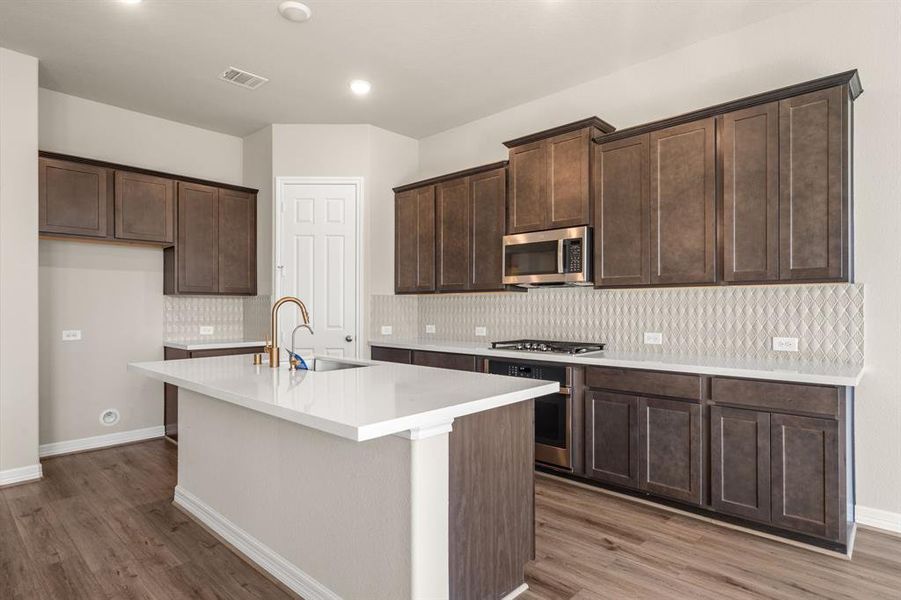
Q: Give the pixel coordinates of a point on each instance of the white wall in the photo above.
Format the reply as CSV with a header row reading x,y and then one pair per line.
x,y
258,174
814,40
113,293
18,265
382,158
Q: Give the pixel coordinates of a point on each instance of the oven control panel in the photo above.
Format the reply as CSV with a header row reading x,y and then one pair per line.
x,y
530,371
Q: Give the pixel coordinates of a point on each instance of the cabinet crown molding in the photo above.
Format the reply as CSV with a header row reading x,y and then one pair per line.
x,y
596,122
449,176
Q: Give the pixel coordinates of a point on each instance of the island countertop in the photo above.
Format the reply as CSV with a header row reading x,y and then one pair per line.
x,y
375,400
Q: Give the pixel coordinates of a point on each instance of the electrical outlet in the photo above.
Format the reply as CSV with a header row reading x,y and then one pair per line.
x,y
481,331
207,330
654,338
387,330
430,329
785,344
71,335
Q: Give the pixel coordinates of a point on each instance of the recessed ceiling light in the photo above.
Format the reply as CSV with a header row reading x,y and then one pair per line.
x,y
360,87
295,11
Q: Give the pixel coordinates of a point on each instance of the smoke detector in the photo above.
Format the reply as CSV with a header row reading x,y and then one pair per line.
x,y
295,11
242,78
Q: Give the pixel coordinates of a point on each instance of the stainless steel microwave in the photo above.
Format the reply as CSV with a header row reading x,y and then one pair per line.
x,y
555,257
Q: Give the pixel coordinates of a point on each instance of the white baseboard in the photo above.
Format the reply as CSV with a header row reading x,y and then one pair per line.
x,y
878,518
263,556
517,592
21,475
101,441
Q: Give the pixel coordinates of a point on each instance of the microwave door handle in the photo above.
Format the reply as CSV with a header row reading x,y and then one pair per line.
x,y
560,257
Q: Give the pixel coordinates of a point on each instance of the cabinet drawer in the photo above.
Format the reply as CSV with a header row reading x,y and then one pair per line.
x,y
782,397
441,360
395,355
652,383
226,352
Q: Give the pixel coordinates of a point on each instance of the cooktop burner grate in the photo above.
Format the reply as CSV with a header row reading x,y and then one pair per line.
x,y
549,346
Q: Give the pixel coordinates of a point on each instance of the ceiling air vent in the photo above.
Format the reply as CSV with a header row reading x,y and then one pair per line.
x,y
242,78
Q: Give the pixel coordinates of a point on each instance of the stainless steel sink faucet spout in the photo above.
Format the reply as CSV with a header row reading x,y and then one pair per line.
x,y
273,349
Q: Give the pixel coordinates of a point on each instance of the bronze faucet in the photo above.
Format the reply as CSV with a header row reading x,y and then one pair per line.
x,y
273,349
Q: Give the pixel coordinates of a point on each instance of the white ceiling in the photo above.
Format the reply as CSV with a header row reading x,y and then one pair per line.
x,y
433,64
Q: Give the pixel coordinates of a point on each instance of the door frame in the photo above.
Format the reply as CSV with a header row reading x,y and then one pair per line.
x,y
278,210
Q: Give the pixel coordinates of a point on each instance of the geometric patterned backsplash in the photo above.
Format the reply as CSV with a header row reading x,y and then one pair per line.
x,y
728,321
184,315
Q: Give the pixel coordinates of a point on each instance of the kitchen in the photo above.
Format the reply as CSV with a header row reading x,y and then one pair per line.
x,y
673,267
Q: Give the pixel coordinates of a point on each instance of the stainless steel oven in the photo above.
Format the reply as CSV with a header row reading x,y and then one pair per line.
x,y
558,422
555,257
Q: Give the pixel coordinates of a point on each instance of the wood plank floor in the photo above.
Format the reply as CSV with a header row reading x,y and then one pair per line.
x,y
101,526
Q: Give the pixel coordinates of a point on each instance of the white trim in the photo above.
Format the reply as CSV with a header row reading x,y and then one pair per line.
x,y
878,518
517,592
426,431
357,182
21,475
263,556
101,441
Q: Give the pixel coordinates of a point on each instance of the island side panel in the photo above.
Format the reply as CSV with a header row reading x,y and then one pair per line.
x,y
492,501
339,510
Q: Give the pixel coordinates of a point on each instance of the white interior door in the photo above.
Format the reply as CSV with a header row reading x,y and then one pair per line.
x,y
317,262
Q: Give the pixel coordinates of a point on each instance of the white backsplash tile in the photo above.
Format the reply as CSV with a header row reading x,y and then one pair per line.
x,y
734,321
256,317
185,315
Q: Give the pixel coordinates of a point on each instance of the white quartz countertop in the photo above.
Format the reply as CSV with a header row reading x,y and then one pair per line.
x,y
796,372
213,345
372,401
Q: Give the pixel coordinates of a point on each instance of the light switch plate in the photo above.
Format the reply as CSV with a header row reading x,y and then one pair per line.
x,y
387,330
655,338
785,344
430,329
481,331
207,330
71,335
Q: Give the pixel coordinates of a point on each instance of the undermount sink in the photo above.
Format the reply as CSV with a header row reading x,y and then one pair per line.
x,y
323,364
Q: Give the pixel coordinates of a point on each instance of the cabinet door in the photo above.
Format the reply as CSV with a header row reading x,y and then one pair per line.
x,y
750,151
237,242
812,181
611,438
622,207
395,355
72,198
452,208
488,201
528,188
198,239
444,360
740,462
805,463
683,204
669,433
145,207
568,179
414,231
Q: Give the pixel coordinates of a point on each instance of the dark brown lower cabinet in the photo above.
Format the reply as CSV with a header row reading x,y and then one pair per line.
x,y
170,392
740,462
395,355
805,471
611,438
669,437
443,360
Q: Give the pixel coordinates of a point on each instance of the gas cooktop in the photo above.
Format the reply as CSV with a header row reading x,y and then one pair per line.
x,y
548,346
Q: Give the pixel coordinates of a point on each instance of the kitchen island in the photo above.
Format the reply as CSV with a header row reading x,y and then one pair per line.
x,y
361,479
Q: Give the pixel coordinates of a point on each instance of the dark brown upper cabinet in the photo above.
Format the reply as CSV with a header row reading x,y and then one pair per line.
x,y
414,231
74,198
749,145
683,204
488,198
197,250
144,208
550,177
814,185
740,462
237,242
449,232
453,223
622,212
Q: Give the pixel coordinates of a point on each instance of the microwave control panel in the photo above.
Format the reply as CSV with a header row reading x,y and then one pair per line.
x,y
572,253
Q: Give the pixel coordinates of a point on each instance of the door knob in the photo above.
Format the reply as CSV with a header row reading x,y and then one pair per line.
x,y
349,338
